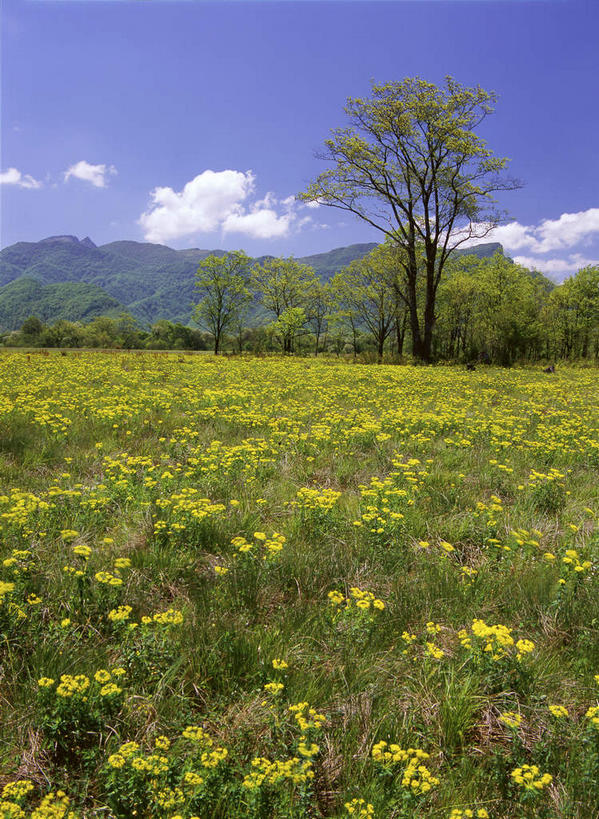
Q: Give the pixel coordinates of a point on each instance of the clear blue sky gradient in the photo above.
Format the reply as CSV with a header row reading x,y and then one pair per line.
x,y
165,90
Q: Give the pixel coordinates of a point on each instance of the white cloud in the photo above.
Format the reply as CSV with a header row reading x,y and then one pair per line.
x,y
563,233
260,224
512,236
217,200
569,232
95,174
556,267
14,177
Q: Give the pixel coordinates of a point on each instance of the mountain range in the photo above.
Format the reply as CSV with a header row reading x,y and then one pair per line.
x,y
63,277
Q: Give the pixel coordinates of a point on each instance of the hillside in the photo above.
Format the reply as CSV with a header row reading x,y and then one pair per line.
x,y
74,301
148,280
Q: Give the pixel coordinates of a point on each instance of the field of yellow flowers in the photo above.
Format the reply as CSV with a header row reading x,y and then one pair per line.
x,y
287,588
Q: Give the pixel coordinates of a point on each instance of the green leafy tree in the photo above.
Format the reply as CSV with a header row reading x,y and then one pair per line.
x,y
288,326
367,295
223,284
400,324
64,334
506,310
584,294
339,332
102,331
457,308
131,335
32,327
283,285
571,316
344,317
161,336
319,307
410,165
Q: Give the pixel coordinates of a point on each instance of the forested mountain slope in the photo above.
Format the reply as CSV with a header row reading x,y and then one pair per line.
x,y
150,281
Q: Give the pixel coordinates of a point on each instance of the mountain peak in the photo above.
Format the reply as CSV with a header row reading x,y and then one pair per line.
x,y
70,240
67,240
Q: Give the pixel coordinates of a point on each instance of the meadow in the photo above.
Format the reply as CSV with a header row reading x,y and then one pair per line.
x,y
297,588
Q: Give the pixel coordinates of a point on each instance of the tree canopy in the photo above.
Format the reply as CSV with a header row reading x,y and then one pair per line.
x,y
410,165
223,284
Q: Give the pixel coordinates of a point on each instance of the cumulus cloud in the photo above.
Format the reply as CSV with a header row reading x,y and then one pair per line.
x,y
569,232
259,224
217,200
563,233
95,174
556,267
14,177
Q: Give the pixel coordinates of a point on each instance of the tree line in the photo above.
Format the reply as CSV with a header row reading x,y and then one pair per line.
x,y
486,309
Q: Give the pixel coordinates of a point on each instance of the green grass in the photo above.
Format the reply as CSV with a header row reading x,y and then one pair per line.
x,y
122,450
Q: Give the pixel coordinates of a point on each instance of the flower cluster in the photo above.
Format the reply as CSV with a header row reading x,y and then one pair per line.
x,y
359,807
76,686
416,777
495,642
313,499
358,599
306,717
530,778
263,547
267,772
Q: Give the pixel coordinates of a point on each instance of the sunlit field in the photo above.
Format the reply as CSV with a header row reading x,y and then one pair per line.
x,y
297,588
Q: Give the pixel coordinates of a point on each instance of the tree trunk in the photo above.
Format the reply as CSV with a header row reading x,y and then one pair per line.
x,y
419,349
421,342
429,312
400,332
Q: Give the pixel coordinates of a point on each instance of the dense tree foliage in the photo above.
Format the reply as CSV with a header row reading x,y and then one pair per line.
x,y
365,293
106,332
223,282
488,309
286,289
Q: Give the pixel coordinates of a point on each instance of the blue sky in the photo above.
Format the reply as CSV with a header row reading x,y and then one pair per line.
x,y
195,124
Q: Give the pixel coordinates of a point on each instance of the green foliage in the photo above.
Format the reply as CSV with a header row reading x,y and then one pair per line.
x,y
283,284
487,308
410,165
286,288
287,326
490,306
70,301
366,295
571,315
223,285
